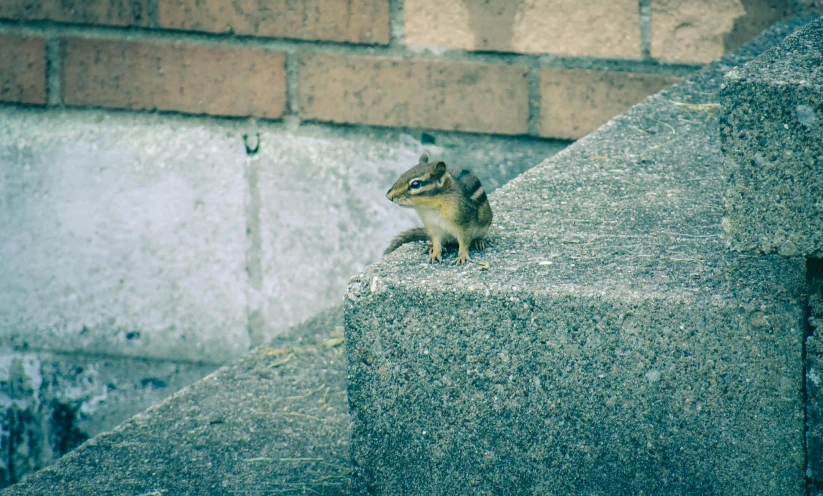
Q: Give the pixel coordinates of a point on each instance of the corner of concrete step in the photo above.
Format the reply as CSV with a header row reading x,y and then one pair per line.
x,y
606,341
772,140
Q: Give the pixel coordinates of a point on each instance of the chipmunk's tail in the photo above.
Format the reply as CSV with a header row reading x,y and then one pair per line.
x,y
416,234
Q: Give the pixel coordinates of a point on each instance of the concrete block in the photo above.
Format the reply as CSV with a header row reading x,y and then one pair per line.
x,y
122,236
605,343
561,27
51,403
772,139
274,422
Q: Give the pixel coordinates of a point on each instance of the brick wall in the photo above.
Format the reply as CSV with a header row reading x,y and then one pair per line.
x,y
550,68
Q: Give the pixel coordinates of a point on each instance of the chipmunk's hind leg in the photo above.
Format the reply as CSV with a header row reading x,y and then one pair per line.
x,y
479,244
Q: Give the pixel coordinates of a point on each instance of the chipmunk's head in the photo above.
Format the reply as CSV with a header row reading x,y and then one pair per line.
x,y
418,185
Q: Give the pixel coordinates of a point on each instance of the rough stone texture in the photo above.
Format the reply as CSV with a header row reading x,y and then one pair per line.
x,y
365,21
197,79
605,343
451,95
275,422
773,142
110,12
22,69
122,237
575,102
690,31
814,379
51,403
591,28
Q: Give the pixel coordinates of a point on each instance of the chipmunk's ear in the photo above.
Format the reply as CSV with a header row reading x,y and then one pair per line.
x,y
424,158
439,169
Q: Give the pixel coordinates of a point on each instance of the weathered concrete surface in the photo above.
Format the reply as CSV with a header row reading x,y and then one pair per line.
x,y
120,238
605,343
772,137
50,403
274,422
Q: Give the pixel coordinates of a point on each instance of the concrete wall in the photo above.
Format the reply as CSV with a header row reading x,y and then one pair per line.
x,y
547,68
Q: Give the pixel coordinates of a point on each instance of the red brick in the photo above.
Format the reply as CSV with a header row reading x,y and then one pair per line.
x,y
22,69
362,21
575,102
108,12
465,96
197,79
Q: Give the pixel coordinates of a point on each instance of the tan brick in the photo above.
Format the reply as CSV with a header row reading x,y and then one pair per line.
x,y
699,31
363,21
109,12
22,69
575,102
594,28
234,81
465,96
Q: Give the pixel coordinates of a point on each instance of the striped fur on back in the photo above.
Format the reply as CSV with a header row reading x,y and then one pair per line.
x,y
471,187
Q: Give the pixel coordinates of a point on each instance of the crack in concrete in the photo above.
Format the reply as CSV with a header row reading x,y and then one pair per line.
x,y
254,253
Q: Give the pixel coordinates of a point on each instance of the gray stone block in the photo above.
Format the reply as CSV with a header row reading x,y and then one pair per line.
x,y
121,236
274,422
605,343
772,138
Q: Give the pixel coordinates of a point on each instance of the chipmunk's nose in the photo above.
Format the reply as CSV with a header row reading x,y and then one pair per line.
x,y
389,195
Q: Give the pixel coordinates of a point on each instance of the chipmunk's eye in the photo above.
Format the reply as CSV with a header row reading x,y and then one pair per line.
x,y
414,184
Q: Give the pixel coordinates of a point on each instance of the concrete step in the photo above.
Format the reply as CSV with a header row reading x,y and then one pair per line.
x,y
606,342
772,137
273,422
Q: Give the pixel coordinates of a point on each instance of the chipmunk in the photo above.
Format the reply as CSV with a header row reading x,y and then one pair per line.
x,y
454,209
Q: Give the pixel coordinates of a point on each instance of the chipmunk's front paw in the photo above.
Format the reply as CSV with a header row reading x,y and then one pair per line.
x,y
435,256
462,258
479,244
